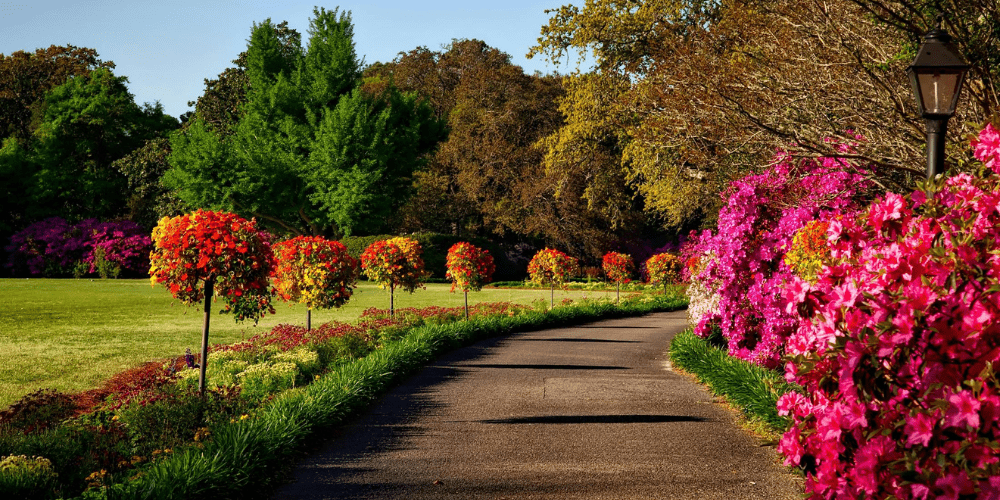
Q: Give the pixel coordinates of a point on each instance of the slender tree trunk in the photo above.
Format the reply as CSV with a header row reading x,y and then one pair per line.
x,y
209,292
552,299
392,301
618,292
467,306
309,319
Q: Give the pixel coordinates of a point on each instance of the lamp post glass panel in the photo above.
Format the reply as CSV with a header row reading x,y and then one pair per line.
x,y
937,74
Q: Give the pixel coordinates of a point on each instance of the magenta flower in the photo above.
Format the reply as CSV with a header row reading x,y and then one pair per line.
x,y
987,147
963,410
920,429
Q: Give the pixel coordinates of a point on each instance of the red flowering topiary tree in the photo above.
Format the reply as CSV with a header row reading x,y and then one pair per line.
x,y
552,267
618,268
394,263
314,271
469,268
204,253
663,268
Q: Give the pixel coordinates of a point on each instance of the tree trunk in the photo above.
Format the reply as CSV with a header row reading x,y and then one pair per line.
x,y
209,292
618,292
467,306
309,319
392,301
552,299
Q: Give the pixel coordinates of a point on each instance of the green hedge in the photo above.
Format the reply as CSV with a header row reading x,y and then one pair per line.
x,y
752,388
244,458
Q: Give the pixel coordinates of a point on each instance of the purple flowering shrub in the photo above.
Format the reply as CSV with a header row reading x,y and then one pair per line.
x,y
54,247
897,343
742,262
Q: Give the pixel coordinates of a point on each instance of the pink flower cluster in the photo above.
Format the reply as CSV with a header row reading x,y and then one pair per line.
x,y
53,247
743,259
896,345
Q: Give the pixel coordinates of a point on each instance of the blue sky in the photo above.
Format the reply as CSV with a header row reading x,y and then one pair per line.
x,y
167,48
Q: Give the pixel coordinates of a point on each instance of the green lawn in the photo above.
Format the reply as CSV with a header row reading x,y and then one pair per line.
x,y
71,335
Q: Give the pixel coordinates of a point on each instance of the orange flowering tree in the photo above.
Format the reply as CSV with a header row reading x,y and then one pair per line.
x,y
204,253
469,268
552,267
314,271
664,268
394,263
618,268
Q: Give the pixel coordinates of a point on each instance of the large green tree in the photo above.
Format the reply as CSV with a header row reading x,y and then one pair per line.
x,y
25,78
490,177
64,168
313,148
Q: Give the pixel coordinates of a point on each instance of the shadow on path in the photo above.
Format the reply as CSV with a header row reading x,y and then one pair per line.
x,y
596,419
545,367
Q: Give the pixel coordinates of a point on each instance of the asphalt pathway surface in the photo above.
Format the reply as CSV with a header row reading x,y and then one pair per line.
x,y
588,411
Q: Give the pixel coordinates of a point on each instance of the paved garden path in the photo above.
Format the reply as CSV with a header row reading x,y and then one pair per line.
x,y
588,411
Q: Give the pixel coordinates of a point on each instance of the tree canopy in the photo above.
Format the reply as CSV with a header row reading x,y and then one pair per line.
x,y
699,92
313,148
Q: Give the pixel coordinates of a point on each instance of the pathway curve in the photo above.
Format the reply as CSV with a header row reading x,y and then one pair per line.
x,y
588,411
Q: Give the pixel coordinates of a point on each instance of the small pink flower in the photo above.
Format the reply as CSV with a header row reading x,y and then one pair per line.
x,y
963,410
920,429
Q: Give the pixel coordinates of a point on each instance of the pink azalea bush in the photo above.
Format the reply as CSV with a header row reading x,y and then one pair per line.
x,y
741,263
896,345
54,247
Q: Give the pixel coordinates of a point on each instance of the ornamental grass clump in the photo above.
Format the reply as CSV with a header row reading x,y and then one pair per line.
x,y
618,268
897,341
550,267
314,271
469,268
394,263
200,254
742,262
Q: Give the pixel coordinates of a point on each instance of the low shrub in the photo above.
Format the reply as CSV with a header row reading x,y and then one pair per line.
x,y
38,411
24,477
741,264
55,248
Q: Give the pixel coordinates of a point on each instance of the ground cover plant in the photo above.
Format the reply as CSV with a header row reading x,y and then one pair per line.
x,y
153,437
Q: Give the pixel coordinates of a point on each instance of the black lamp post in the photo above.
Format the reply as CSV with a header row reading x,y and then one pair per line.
x,y
937,75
